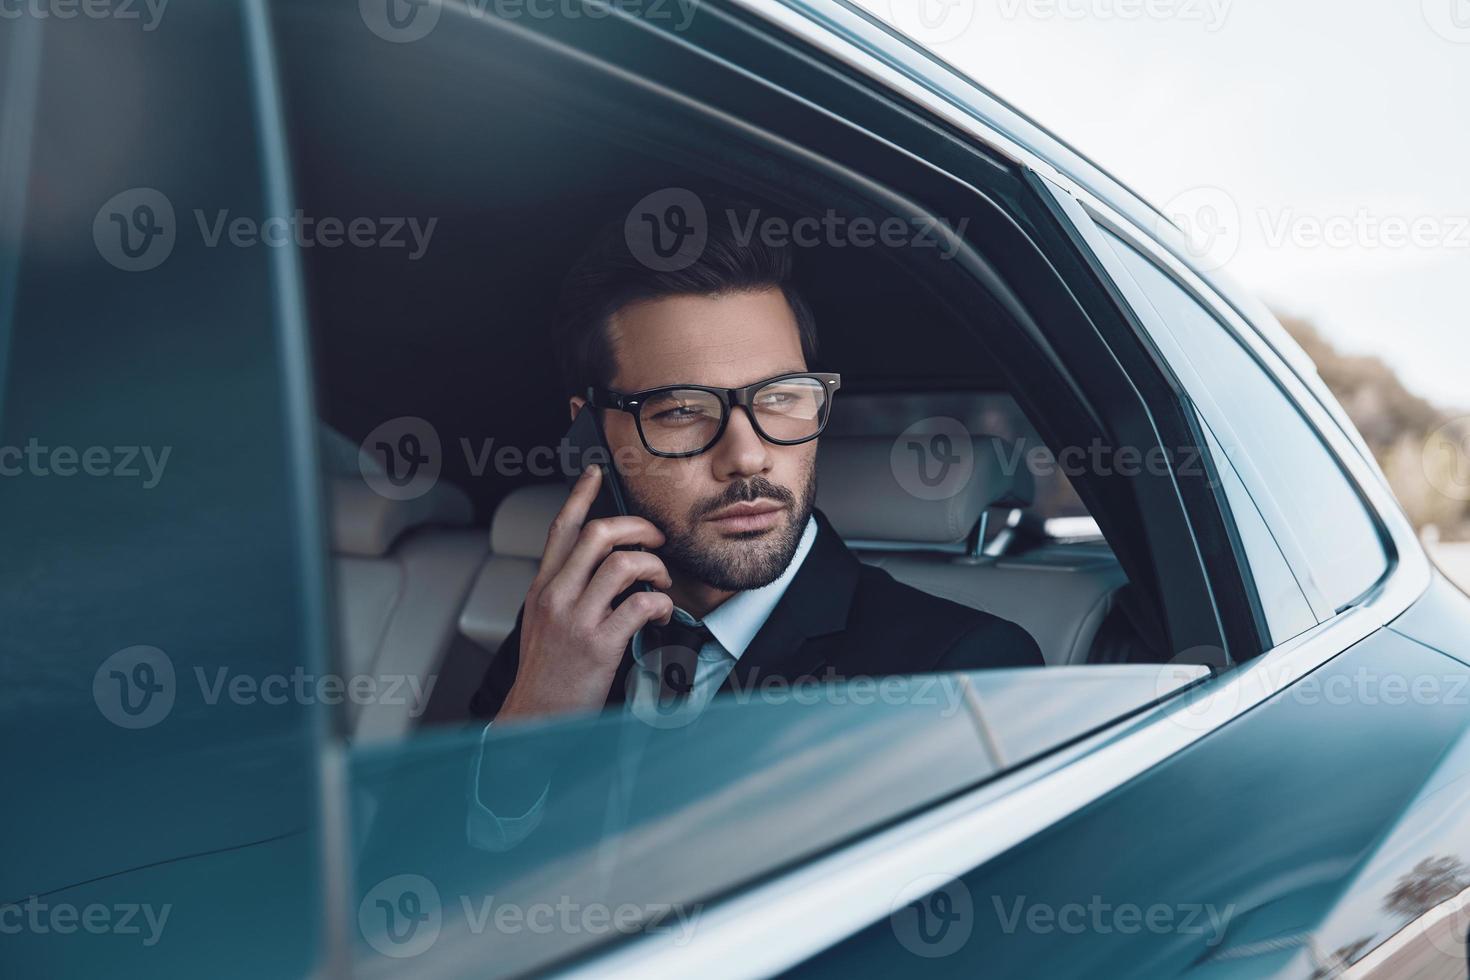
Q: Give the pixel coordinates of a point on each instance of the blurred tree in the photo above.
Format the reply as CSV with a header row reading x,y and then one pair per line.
x,y
1400,428
1428,883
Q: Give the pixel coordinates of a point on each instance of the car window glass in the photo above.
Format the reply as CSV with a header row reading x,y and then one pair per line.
x,y
1308,503
157,692
649,817
1282,600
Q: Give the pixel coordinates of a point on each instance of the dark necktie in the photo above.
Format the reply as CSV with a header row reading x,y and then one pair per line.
x,y
673,651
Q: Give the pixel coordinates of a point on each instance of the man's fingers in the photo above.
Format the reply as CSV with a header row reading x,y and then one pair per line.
x,y
597,540
561,537
635,612
619,571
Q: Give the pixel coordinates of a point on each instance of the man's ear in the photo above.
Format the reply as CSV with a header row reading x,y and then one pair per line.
x,y
574,404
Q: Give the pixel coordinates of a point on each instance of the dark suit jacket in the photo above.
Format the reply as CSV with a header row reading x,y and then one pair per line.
x,y
838,619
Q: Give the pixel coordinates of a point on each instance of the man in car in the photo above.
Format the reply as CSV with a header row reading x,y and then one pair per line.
x,y
703,378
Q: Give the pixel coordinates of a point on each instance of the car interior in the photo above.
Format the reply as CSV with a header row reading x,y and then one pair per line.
x,y
459,338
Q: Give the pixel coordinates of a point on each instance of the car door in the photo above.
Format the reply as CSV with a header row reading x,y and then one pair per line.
x,y
1302,481
1314,816
161,590
1286,827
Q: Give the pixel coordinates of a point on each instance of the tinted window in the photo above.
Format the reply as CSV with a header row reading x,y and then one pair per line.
x,y
648,819
160,778
1282,600
1307,502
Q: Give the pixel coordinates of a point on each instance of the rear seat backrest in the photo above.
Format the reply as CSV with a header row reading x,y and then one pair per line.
x,y
517,537
860,494
1059,595
402,569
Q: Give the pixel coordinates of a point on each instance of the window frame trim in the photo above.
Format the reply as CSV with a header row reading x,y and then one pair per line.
x,y
1211,411
1321,423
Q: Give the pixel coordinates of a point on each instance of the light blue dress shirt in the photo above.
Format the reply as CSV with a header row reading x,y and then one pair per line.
x,y
732,626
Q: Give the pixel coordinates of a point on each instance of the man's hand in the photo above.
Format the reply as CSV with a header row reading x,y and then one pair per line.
x,y
571,637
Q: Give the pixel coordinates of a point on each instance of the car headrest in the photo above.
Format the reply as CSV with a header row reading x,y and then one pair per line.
x,y
366,524
872,489
519,527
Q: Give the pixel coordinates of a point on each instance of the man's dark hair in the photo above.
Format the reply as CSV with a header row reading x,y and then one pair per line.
x,y
615,272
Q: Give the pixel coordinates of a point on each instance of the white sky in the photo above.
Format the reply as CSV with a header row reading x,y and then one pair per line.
x,y
1296,116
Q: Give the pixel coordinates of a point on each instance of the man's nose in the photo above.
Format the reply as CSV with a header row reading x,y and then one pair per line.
x,y
741,451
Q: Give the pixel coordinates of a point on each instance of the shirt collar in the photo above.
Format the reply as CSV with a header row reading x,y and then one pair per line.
x,y
736,621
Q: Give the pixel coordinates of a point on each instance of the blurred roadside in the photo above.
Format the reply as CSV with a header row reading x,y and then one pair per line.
x,y
1424,449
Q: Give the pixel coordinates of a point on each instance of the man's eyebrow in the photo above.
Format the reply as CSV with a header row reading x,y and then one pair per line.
x,y
785,371
681,384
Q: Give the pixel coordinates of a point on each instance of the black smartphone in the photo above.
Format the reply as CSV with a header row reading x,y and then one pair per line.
x,y
583,445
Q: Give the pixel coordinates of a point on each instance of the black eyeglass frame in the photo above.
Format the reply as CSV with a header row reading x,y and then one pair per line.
x,y
729,399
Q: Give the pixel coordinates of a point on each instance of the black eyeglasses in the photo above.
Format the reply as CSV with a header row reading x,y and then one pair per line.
x,y
685,420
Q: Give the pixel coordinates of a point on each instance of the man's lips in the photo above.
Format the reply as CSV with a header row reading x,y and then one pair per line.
x,y
754,515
